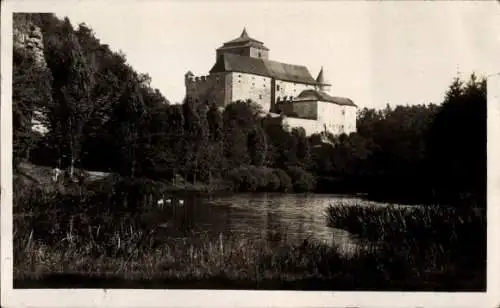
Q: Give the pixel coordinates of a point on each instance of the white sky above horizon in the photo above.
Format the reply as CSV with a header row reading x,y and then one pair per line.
x,y
372,52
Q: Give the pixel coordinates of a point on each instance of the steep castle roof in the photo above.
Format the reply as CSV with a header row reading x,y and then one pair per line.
x,y
315,95
263,67
244,40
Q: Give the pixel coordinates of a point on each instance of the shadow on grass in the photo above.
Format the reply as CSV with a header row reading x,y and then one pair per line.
x,y
77,281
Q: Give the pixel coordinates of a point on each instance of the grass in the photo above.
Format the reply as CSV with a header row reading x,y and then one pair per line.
x,y
227,263
444,242
98,237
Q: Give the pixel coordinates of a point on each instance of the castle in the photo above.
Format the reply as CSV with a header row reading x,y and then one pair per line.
x,y
243,71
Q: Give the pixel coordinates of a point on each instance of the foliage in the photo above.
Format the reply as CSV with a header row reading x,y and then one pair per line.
x,y
302,180
251,178
103,115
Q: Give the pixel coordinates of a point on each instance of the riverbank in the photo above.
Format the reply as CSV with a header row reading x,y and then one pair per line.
x,y
234,264
99,234
84,245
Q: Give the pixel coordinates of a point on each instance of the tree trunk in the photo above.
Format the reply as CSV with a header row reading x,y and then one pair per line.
x,y
195,172
132,169
72,163
72,167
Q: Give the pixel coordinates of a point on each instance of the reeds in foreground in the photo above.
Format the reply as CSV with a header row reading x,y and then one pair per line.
x,y
442,241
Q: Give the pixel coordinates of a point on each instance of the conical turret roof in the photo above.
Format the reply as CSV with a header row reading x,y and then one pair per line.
x,y
244,34
321,78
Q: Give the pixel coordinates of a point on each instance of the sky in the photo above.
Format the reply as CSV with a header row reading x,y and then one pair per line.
x,y
375,53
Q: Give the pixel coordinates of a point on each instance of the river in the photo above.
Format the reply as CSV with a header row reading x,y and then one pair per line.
x,y
274,217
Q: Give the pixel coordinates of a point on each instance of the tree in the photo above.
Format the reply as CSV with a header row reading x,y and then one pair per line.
x,y
127,119
195,137
72,88
457,143
239,119
216,142
257,146
303,149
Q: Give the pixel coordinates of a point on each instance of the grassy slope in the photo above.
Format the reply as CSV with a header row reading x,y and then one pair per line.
x,y
43,175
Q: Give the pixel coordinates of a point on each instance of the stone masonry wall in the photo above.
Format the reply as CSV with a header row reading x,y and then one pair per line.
x,y
310,126
337,118
254,87
208,89
285,89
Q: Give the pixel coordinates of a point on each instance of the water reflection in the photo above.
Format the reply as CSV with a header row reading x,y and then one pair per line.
x,y
274,217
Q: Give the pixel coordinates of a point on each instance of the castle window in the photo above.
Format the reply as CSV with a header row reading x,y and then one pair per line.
x,y
260,55
260,96
278,87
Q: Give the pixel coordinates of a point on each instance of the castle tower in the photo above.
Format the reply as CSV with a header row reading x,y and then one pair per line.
x,y
244,45
323,85
188,77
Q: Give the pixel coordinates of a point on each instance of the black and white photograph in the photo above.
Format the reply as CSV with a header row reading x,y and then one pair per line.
x,y
301,146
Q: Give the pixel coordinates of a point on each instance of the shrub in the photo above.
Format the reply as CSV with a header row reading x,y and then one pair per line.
x,y
284,180
302,180
244,179
273,181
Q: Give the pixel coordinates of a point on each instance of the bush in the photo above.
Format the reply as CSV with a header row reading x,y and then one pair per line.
x,y
252,178
243,179
272,180
302,180
284,180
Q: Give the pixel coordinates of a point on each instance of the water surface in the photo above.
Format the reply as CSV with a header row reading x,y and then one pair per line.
x,y
273,217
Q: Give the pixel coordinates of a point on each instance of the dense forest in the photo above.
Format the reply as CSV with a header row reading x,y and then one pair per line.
x,y
103,115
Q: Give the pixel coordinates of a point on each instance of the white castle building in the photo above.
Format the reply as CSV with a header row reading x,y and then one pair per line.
x,y
243,71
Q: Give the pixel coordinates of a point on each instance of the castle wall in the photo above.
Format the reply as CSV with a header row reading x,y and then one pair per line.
x,y
286,90
302,109
254,52
209,89
260,53
236,50
310,126
337,118
350,119
253,87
